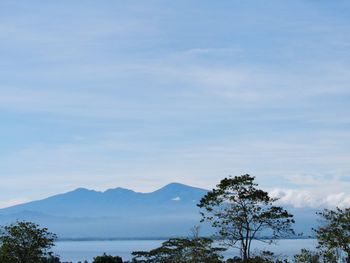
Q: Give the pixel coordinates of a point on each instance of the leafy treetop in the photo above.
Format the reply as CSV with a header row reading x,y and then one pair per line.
x,y
242,213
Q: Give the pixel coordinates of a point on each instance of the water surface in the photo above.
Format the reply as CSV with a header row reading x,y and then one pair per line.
x,y
86,250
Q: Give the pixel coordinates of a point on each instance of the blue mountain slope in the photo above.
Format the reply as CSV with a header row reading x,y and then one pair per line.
x,y
123,213
84,202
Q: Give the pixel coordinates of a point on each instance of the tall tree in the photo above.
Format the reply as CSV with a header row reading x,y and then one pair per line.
x,y
25,242
242,213
334,234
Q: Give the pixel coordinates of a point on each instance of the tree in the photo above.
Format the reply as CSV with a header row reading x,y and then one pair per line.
x,y
242,213
307,256
334,234
263,257
107,259
181,250
51,259
26,242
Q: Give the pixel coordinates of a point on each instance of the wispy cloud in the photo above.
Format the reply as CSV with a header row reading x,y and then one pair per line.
x,y
128,94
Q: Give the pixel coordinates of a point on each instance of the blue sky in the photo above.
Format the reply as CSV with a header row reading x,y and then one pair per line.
x,y
138,94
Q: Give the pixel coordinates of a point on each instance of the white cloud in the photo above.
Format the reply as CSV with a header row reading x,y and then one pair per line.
x,y
309,198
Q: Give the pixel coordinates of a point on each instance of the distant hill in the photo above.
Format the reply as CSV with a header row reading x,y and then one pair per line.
x,y
115,202
123,213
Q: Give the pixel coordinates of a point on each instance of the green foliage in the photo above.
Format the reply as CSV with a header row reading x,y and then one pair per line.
x,y
51,259
334,234
107,259
263,257
241,212
181,250
307,256
26,242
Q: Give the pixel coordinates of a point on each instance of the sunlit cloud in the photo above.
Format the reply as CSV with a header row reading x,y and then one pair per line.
x,y
306,198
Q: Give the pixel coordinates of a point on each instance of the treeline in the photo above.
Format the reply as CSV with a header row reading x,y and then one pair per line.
x,y
237,209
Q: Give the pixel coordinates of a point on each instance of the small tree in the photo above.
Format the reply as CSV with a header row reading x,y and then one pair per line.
x,y
263,257
181,250
242,213
51,259
307,256
334,234
26,242
107,259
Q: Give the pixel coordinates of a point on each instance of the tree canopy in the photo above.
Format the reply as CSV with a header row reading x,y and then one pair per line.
x,y
181,250
107,259
242,213
334,234
26,242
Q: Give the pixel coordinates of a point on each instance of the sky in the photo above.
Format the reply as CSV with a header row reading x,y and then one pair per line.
x,y
138,94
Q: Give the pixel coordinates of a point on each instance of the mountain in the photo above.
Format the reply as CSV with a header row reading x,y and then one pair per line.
x,y
119,212
123,213
114,202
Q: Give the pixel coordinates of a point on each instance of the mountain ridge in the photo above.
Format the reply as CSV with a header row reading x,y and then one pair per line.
x,y
119,212
80,194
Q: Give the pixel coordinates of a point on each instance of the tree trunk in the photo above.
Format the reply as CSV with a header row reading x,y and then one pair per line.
x,y
245,254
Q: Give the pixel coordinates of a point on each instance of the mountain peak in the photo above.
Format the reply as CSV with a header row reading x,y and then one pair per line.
x,y
177,191
175,185
81,189
118,190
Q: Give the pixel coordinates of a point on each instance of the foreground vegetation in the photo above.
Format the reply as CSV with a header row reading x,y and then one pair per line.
x,y
238,210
